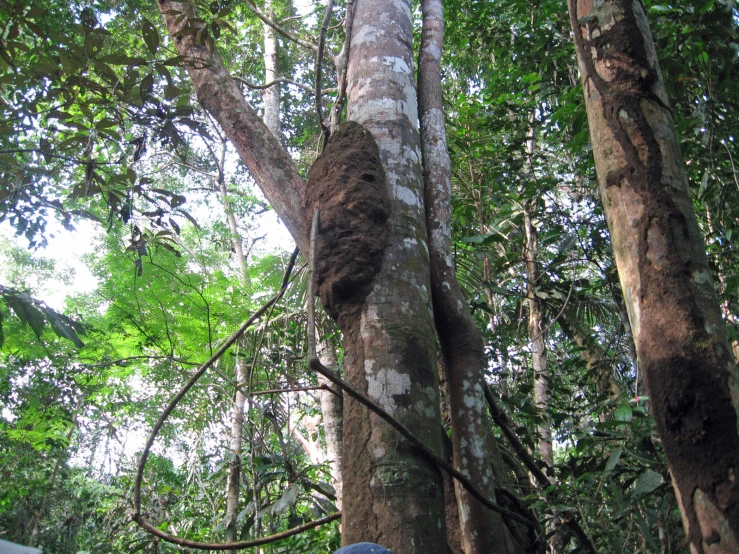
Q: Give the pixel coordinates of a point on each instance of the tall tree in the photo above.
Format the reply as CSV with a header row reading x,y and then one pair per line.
x,y
680,336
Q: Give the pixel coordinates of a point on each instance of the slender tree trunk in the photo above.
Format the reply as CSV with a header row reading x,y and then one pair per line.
x,y
536,337
233,483
675,316
539,360
332,408
271,95
482,531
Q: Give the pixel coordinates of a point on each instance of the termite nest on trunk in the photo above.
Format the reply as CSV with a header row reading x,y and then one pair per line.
x,y
347,183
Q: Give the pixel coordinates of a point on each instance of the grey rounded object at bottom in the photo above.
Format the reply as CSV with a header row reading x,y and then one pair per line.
x,y
363,548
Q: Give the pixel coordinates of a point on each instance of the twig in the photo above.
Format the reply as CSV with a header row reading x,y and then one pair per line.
x,y
136,515
316,365
273,83
319,61
52,155
287,34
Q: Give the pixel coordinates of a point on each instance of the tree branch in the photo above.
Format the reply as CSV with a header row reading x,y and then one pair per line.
x,y
287,34
273,83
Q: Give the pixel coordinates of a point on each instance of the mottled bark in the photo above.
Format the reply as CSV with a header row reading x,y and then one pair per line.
x,y
680,337
233,483
390,342
482,531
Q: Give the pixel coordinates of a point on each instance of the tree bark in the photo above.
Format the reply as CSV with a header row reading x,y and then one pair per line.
x,y
268,162
390,345
482,531
680,337
233,483
332,408
536,337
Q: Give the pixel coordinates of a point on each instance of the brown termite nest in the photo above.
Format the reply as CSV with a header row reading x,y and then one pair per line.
x,y
347,182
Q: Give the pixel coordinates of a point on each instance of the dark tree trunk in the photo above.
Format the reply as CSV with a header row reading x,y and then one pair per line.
x,y
680,337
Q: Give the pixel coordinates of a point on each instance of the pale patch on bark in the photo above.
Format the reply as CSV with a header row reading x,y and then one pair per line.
x,y
407,196
398,64
384,385
714,526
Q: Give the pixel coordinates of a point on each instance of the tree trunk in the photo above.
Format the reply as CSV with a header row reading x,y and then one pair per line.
x,y
680,337
536,337
271,95
482,531
332,408
389,339
233,483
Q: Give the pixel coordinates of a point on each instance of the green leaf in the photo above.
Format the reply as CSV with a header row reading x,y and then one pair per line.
x,y
65,327
122,59
613,459
623,413
647,482
151,36
23,307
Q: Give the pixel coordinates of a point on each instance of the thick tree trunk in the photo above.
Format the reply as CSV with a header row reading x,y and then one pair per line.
x,y
680,336
397,495
482,531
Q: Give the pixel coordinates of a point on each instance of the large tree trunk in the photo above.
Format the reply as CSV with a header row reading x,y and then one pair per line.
x,y
680,337
389,340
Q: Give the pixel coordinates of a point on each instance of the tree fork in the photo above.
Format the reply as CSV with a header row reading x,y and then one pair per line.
x,y
680,336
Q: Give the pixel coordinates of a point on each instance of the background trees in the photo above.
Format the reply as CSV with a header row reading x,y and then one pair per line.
x,y
99,123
